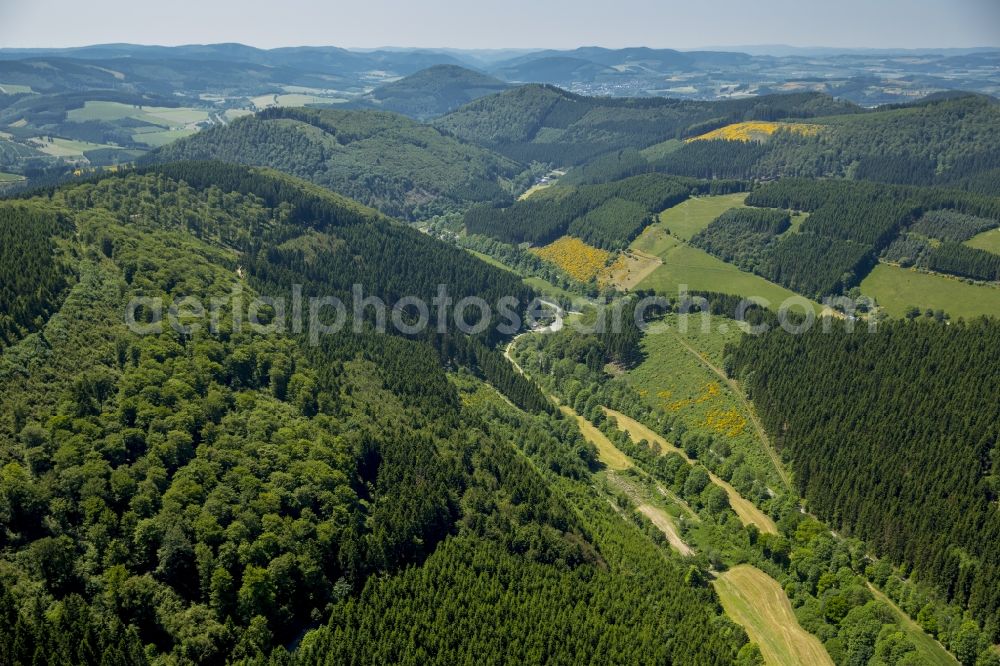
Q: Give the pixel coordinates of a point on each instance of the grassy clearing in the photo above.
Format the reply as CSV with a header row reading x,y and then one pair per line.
x,y
673,379
897,288
233,114
988,240
633,267
166,117
58,147
537,187
757,602
157,139
490,260
14,89
10,177
293,99
551,178
661,149
744,509
665,524
705,339
550,290
177,117
607,452
931,652
691,216
681,375
686,265
797,220
654,240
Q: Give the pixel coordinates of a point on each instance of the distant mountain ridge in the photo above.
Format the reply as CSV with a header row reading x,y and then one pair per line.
x,y
432,92
867,76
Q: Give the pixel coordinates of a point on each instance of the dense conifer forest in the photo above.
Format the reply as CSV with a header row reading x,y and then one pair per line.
x,y
33,273
893,437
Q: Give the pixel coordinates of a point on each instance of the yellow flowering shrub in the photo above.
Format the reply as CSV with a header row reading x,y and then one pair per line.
x,y
728,421
581,261
756,130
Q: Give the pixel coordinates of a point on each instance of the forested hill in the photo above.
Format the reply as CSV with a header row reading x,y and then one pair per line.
x,y
950,141
194,497
894,438
384,160
545,123
432,92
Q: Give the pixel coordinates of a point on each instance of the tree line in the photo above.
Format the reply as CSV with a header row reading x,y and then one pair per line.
x,y
893,438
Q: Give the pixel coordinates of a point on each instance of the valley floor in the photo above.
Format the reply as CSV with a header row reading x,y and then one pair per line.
x,y
758,603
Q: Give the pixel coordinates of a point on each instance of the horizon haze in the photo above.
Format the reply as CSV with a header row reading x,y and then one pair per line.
x,y
518,24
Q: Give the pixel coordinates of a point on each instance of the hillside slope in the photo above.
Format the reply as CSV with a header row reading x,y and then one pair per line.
x,y
432,92
893,438
950,141
381,159
545,123
188,495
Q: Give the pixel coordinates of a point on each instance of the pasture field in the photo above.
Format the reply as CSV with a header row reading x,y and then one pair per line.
x,y
10,177
988,240
14,89
157,115
157,139
700,271
607,452
293,99
654,240
175,117
897,288
692,215
757,602
58,147
233,114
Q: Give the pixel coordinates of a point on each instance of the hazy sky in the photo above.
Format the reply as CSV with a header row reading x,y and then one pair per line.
x,y
511,23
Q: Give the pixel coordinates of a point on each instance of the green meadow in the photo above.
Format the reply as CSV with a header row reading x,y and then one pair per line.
x,y
689,217
988,240
897,288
